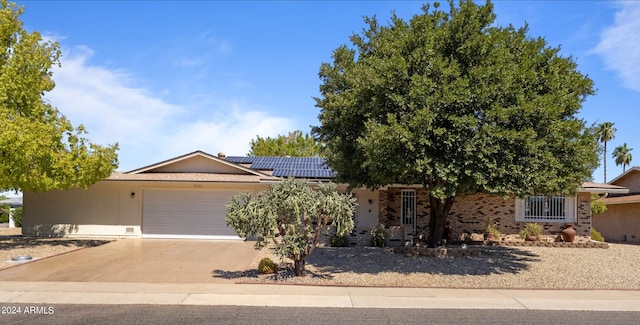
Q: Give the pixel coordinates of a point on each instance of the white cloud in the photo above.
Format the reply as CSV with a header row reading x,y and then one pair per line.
x,y
148,128
230,134
620,44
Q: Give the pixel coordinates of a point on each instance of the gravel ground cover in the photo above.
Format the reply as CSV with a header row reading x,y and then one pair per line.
x,y
495,267
12,244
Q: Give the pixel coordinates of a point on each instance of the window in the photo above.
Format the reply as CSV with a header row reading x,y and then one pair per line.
x,y
546,209
408,208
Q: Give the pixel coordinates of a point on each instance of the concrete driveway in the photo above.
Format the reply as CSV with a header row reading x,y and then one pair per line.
x,y
142,260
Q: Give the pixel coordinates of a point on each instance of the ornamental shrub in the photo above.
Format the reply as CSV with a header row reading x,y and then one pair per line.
x,y
379,236
339,241
267,266
533,229
596,235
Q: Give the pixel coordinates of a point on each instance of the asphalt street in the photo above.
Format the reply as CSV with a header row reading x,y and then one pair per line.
x,y
168,314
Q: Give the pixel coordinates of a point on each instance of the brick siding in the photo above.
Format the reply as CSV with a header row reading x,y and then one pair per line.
x,y
469,214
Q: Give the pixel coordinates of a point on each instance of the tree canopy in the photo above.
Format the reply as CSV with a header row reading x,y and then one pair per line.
x,y
39,148
293,216
622,156
295,144
458,104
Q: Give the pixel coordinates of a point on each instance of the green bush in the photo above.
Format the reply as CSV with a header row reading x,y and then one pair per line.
x,y
595,235
379,237
492,229
267,266
17,217
531,229
339,241
16,213
598,207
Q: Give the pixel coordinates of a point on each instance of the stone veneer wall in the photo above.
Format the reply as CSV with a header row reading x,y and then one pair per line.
x,y
469,214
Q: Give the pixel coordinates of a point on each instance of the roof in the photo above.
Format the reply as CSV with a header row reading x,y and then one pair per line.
x,y
625,174
302,167
602,188
189,177
199,166
198,153
13,202
633,198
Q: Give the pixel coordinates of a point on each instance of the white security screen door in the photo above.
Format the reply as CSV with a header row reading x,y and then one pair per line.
x,y
408,209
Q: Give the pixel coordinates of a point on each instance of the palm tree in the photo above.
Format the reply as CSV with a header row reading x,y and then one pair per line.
x,y
622,156
605,132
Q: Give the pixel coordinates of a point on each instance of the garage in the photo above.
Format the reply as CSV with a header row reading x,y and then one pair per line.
x,y
186,214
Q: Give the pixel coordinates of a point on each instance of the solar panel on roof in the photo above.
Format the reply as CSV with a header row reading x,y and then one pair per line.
x,y
240,159
302,167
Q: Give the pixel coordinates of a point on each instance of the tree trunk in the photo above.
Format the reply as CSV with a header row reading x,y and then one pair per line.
x,y
437,219
604,160
298,268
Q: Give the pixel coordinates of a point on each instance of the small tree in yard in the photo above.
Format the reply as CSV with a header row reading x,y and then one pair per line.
x,y
453,102
293,216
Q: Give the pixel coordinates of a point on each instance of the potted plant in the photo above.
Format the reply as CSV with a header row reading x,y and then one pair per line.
x,y
531,232
491,232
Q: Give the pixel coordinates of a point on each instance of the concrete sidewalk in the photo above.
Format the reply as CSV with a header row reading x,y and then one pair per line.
x,y
314,296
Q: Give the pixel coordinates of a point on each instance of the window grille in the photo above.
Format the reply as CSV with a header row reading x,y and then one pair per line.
x,y
546,209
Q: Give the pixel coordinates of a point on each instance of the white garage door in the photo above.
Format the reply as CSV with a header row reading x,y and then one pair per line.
x,y
186,214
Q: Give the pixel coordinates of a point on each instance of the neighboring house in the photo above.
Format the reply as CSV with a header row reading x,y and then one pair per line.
x,y
12,204
621,221
185,197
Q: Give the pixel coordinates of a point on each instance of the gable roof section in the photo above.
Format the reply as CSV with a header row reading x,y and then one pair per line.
x,y
299,167
197,162
197,166
629,173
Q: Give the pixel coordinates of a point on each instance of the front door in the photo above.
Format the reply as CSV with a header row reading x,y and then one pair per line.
x,y
408,209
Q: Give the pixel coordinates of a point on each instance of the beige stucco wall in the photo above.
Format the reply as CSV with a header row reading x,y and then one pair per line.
x,y
630,181
104,209
621,222
367,210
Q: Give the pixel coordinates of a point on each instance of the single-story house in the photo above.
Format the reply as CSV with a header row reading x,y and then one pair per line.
x,y
621,221
185,197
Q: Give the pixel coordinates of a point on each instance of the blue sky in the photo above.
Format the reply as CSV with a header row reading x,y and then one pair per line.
x,y
166,78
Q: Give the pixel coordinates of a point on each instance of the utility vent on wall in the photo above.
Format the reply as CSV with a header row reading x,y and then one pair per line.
x,y
129,230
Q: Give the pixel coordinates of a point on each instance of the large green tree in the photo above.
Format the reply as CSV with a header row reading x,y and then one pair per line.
x,y
622,156
39,148
293,216
295,144
458,104
605,133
